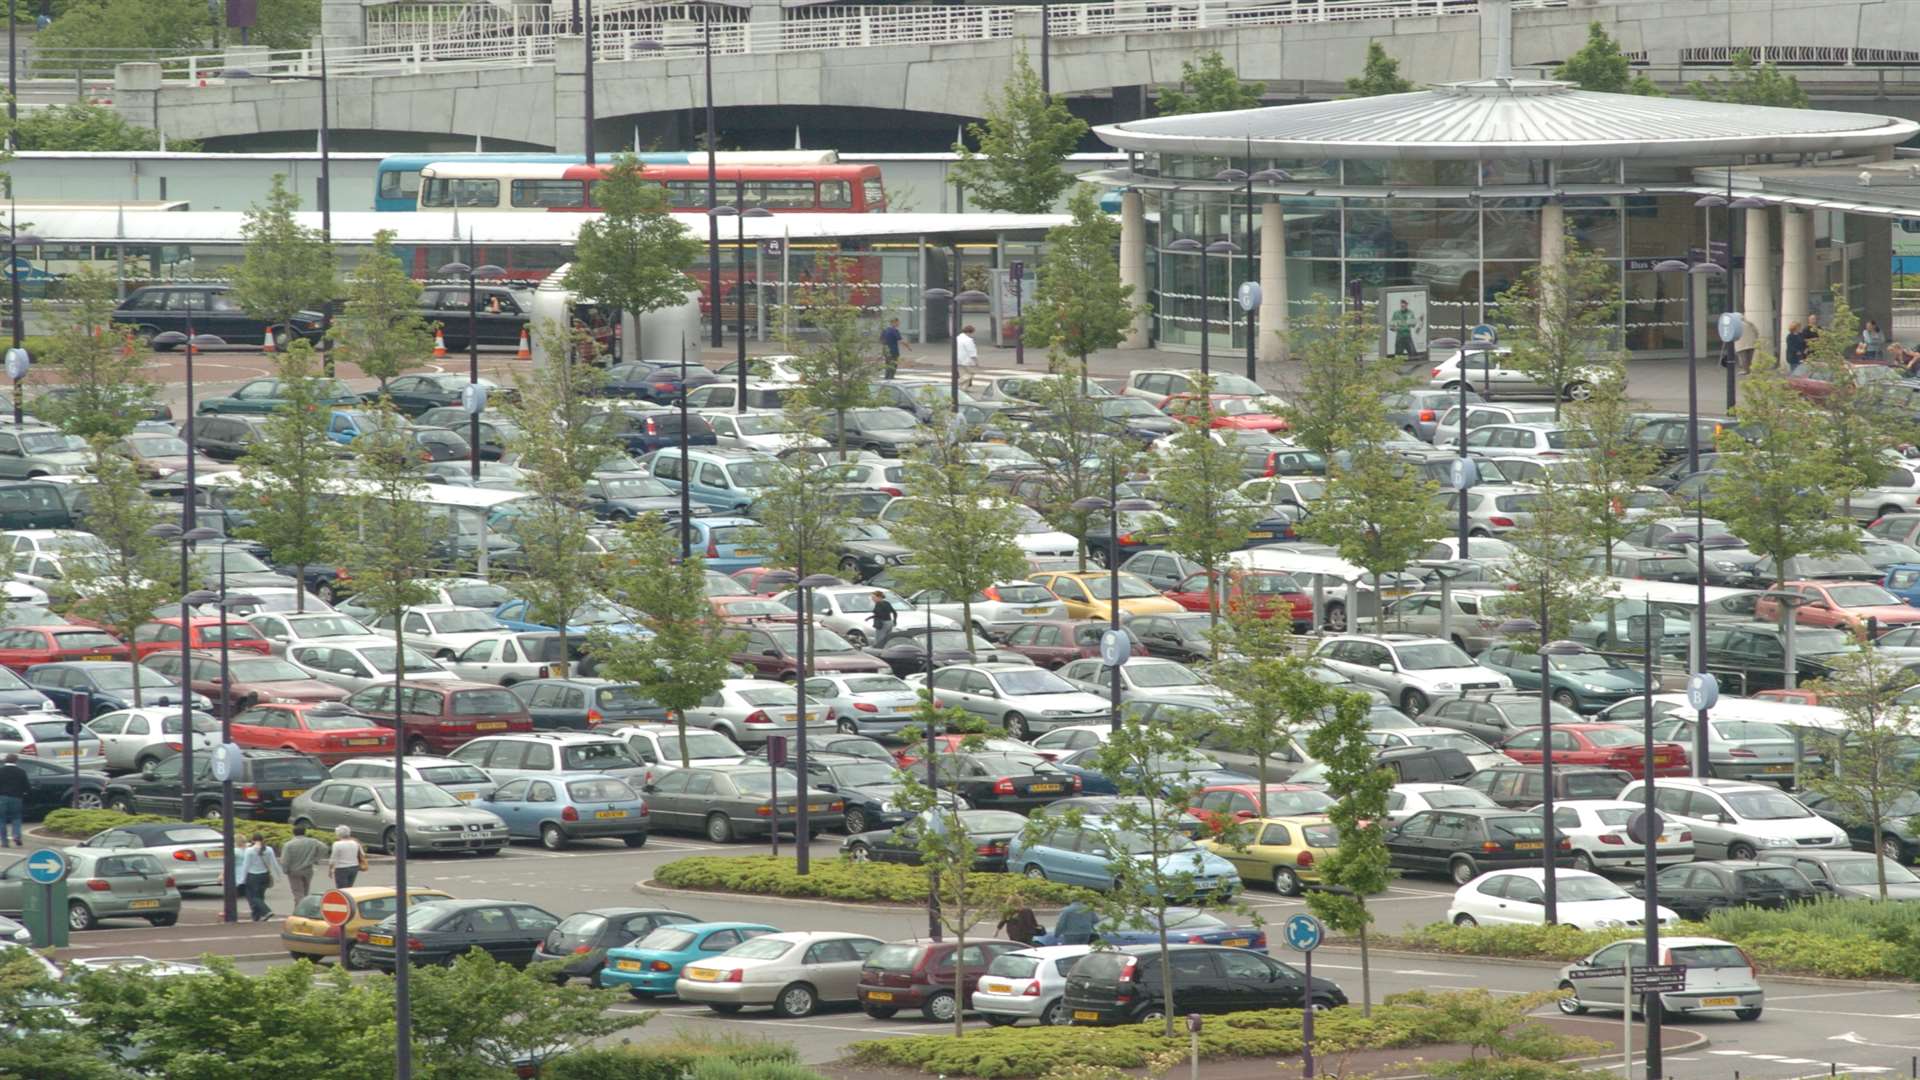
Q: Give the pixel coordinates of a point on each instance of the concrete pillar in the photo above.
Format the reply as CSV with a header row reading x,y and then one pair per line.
x,y
1133,265
1796,264
1553,250
766,12
1757,296
1273,284
343,23
570,94
136,94
1874,271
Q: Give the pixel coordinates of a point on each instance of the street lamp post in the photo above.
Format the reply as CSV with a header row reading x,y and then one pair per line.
x,y
1467,350
1265,176
713,184
189,599
739,212
1110,505
1218,247
802,836
15,241
1649,881
957,297
1708,268
472,273
1550,845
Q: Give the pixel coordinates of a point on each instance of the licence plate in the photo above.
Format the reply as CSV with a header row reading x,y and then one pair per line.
x,y
702,974
1235,943
363,742
1261,534
1662,840
1046,787
1034,610
216,853
879,995
490,725
1661,759
380,939
466,796
816,808
626,965
64,752
96,656
999,988
740,551
142,905
1085,1014
1529,845
291,792
1719,1002
1780,768
609,813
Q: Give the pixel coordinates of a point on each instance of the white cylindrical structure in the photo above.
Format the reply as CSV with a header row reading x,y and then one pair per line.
x,y
1757,294
1796,264
1273,284
1133,265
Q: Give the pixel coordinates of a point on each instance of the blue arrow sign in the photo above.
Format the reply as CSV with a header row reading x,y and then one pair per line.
x,y
1304,933
46,866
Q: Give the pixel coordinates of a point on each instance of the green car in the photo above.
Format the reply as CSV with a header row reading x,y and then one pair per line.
x,y
259,397
1584,682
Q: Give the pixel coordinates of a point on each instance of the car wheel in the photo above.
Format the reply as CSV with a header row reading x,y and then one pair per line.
x,y
719,829
354,961
1584,861
856,820
299,956
1893,850
795,1001
1035,871
144,335
552,838
850,568
635,839
120,804
282,337
207,809
87,800
390,841
1321,1004
1747,1014
1565,697
879,1012
1413,702
1017,727
1151,1012
1466,921
164,920
1478,532
1462,870
325,592
859,853
940,1007
1337,618
724,1008
857,637
1285,881
848,727
1570,1004
1579,391
1740,852
80,916
418,747
1055,1014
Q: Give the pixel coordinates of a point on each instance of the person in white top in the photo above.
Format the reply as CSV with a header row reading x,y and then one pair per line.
x,y
346,858
967,351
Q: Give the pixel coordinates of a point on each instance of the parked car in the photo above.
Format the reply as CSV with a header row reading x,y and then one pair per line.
x,y
725,802
991,831
1719,975
249,680
53,785
1597,828
1583,900
1028,984
1083,854
1850,875
550,755
748,711
1001,779
44,735
193,853
439,716
1406,800
1123,986
1585,682
581,941
921,975
113,885
108,683
457,778
308,934
650,966
208,308
436,821
584,704
1053,643
1697,889
1899,841
1518,786
508,931
1496,716
1020,699
1843,605
263,397
327,732
1738,749
794,972
1282,851
558,810
1463,844
1412,671
1737,819
1612,746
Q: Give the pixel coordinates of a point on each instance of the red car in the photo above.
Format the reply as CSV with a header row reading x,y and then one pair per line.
x,y
328,732
749,580
1222,805
1612,746
21,647
203,632
751,609
908,753
1230,411
1816,384
1051,643
252,679
439,716
1270,592
1840,605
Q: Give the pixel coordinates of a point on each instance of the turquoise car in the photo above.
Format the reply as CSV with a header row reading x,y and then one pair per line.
x,y
649,967
1585,682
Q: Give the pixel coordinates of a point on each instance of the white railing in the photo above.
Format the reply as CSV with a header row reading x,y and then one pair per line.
x,y
512,35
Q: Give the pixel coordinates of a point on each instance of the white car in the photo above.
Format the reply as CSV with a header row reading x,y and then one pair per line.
x,y
287,628
1539,439
1062,741
1046,547
1738,819
508,660
847,610
997,610
457,778
1446,434
44,735
1144,679
1597,828
357,663
1479,754
861,703
1582,900
1492,374
133,738
1406,800
1030,984
1719,976
659,746
1413,671
749,710
1021,699
442,631
766,430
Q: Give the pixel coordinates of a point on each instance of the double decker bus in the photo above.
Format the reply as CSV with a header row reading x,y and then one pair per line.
x,y
397,177
546,187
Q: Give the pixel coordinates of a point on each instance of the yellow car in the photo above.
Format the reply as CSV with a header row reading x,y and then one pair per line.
x,y
1086,595
308,935
1286,851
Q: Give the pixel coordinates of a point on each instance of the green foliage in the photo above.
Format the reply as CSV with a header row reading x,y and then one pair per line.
x,y
483,1014
1750,84
671,1059
633,257
380,329
1377,513
1275,694
686,656
85,126
1601,66
1559,319
288,267
1778,475
1503,1041
102,375
287,476
1025,137
382,538
1359,787
834,357
136,572
1206,516
1616,465
1551,581
42,1043
80,824
1078,450
799,525
1557,942
956,523
1079,305
842,879
172,27
1208,85
1338,402
1863,421
1868,771
1380,75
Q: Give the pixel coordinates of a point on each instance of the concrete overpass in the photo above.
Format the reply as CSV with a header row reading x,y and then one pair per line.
x,y
530,87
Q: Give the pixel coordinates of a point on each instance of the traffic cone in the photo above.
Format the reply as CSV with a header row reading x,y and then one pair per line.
x,y
439,342
266,344
525,351
126,349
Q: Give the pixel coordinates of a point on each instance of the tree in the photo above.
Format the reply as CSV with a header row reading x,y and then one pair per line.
x,y
1869,767
798,520
84,126
1359,787
1750,84
103,377
634,256
1079,305
958,526
1381,75
1206,516
1549,578
1078,450
1339,401
44,1043
1601,66
380,330
1379,514
1777,475
1208,85
287,267
836,362
173,27
134,573
1274,690
479,1013
288,475
1558,317
1025,137
1615,466
1863,420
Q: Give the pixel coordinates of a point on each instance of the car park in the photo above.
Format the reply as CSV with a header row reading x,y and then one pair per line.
x,y
108,885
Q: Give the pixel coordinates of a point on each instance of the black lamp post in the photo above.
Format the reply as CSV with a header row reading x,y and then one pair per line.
x,y
1467,350
1218,247
15,241
1676,266
1650,843
1265,176
713,182
473,274
1550,845
802,836
739,213
1110,506
225,604
957,296
167,530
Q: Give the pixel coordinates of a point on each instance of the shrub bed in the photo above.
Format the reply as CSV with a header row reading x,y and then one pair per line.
x,y
724,1058
845,879
80,824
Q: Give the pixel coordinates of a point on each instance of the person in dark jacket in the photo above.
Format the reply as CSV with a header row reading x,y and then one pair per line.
x,y
1022,926
1796,347
883,617
14,788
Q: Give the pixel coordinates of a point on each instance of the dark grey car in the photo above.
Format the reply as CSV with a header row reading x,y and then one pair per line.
x,y
723,802
1850,875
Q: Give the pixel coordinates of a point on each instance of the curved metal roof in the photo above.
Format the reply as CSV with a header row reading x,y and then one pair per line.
x,y
1511,118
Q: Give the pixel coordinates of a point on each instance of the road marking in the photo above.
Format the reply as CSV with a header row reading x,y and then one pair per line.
x,y
1837,993
1854,1038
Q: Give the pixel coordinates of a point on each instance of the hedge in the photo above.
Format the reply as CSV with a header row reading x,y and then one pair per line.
x,y
846,879
726,1058
80,824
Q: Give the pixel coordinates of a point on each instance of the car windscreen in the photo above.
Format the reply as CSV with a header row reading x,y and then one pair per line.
x,y
1862,596
635,487
1766,805
1446,798
326,626
328,721
1771,877
865,775
464,621
596,755
1594,785
454,774
1320,836
1014,965
1432,657
1156,675
1612,737
1131,587
303,771
894,957
263,669
1747,730
1025,594
761,948
1034,681
184,834
420,796
877,684
1586,887
1291,803
600,791
485,703
1515,828
666,939
1452,740
1709,956
382,659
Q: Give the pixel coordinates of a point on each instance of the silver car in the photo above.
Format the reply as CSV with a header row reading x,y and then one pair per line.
x,y
442,631
457,778
1493,374
1545,439
1446,433
865,704
1022,699
996,610
357,664
44,735
551,755
436,821
1142,678
848,611
1492,509
1735,819
29,452
130,739
749,710
193,854
129,885
1736,749
508,659
795,972
286,629
1028,985
1470,622
1897,492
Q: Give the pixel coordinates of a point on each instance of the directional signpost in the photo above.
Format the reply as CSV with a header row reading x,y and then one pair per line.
x,y
44,906
1304,934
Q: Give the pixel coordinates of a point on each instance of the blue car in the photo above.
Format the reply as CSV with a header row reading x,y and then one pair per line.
x,y
1184,924
649,967
109,683
729,542
1084,855
1195,771
558,811
346,425
596,615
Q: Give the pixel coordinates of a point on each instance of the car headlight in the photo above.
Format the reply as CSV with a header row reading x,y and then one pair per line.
x,y
1443,686
1055,712
1772,842
1592,689
1727,567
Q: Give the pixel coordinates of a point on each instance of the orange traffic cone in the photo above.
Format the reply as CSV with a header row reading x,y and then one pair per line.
x,y
439,342
126,348
266,344
525,352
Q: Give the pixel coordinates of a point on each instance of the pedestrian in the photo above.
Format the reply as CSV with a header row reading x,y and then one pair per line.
x,y
1074,926
883,617
890,344
1873,341
298,859
1744,346
1796,347
346,858
14,788
967,352
1022,926
258,867
1813,326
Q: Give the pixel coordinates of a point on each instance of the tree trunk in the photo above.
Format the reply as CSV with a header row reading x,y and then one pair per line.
x,y
840,432
680,725
1879,856
966,617
300,588
960,958
1166,964
1366,977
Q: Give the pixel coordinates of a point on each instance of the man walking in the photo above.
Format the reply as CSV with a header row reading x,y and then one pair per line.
x,y
883,617
890,344
14,787
298,859
967,352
